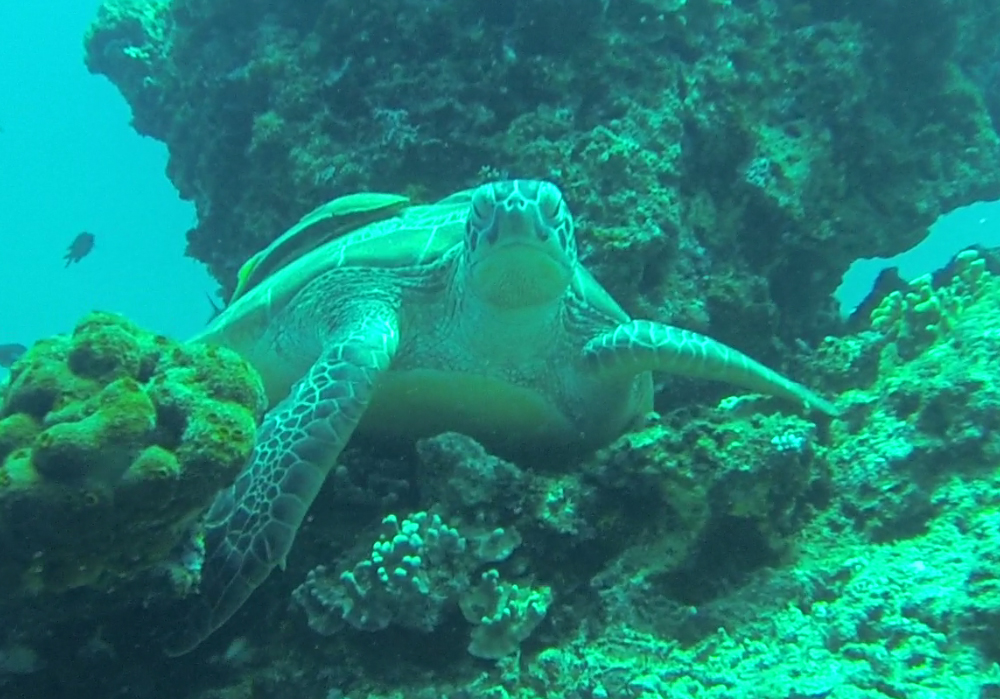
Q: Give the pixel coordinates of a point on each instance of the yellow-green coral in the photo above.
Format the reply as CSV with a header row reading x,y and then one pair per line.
x,y
116,424
17,431
112,440
916,319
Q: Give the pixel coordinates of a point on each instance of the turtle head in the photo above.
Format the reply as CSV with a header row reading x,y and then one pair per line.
x,y
519,243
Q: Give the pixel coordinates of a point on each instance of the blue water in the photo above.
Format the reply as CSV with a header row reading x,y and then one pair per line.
x,y
71,162
978,223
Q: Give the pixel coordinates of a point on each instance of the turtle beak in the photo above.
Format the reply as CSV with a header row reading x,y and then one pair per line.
x,y
519,263
517,226
522,228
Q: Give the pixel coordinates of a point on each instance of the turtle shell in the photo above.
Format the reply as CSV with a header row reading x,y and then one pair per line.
x,y
321,225
415,236
395,236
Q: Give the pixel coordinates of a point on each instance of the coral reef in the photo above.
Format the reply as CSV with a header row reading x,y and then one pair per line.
x,y
112,441
915,320
727,161
505,614
418,568
409,575
887,516
720,550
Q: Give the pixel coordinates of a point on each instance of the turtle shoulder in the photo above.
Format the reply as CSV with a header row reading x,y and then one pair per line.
x,y
595,299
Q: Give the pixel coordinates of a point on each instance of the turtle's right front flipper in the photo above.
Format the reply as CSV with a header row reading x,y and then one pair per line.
x,y
251,525
645,345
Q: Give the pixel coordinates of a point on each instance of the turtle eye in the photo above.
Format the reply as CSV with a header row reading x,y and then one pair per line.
x,y
552,205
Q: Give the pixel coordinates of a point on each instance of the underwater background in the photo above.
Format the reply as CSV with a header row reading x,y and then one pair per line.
x,y
74,164
726,161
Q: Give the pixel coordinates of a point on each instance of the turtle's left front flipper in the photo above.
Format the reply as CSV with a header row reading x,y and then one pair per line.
x,y
643,345
251,525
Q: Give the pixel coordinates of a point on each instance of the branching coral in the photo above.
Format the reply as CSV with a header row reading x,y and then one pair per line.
x,y
419,568
914,320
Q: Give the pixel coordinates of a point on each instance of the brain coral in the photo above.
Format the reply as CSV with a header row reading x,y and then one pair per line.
x,y
112,441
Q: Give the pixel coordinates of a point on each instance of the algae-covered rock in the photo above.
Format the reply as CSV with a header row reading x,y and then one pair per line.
x,y
112,440
17,431
96,440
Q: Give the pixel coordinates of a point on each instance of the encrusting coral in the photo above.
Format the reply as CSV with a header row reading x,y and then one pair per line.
x,y
113,440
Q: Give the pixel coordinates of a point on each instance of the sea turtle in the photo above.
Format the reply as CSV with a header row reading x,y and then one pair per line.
x,y
472,314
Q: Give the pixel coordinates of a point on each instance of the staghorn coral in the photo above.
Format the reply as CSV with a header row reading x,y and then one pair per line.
x,y
112,441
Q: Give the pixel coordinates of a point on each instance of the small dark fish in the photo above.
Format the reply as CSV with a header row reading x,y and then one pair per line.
x,y
79,248
10,353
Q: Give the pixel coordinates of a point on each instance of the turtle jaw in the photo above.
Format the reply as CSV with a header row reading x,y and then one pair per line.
x,y
519,249
518,275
